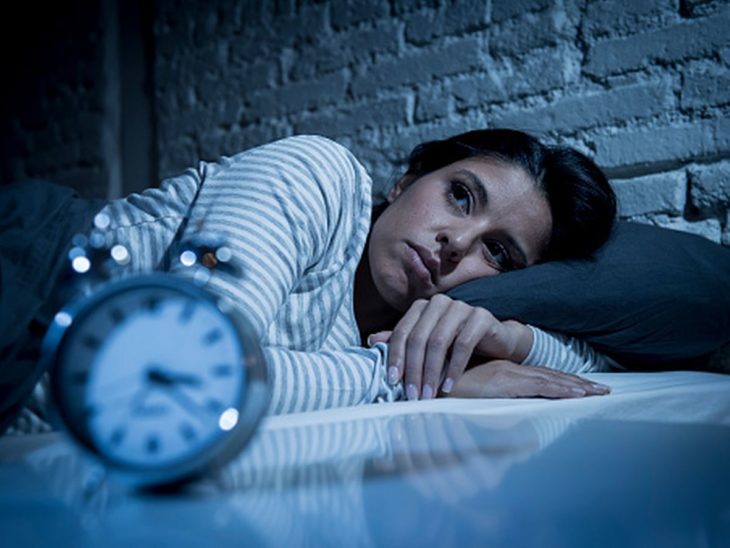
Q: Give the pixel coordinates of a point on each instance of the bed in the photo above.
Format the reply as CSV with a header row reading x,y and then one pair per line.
x,y
646,465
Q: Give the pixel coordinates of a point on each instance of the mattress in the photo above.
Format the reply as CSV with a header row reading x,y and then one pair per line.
x,y
645,465
667,396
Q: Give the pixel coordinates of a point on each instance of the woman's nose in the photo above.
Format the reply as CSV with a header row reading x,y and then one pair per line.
x,y
455,245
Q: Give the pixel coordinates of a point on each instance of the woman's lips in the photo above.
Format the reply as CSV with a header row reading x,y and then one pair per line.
x,y
418,269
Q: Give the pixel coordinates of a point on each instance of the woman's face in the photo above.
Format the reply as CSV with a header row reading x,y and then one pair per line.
x,y
475,217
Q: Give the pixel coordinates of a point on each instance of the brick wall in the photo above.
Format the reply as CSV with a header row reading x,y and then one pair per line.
x,y
641,85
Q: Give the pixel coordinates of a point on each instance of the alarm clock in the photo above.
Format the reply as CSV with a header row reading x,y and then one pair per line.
x,y
156,377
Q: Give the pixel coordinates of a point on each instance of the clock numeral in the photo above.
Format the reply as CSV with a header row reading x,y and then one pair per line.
x,y
212,337
221,370
151,303
116,315
214,406
187,312
153,443
187,431
91,342
118,435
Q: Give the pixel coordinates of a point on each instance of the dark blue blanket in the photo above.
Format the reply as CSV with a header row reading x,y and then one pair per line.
x,y
37,221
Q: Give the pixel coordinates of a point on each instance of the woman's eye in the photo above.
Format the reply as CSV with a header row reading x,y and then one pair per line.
x,y
498,255
460,196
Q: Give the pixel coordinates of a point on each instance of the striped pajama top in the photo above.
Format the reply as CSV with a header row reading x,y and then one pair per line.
x,y
296,214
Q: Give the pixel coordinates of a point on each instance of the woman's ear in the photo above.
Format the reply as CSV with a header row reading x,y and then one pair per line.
x,y
398,188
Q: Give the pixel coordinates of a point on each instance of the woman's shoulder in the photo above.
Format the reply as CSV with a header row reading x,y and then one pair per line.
x,y
303,147
307,158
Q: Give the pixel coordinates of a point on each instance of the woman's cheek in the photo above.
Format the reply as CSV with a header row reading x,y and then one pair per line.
x,y
467,271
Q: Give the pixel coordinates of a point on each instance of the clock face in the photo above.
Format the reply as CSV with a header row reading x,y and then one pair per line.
x,y
151,375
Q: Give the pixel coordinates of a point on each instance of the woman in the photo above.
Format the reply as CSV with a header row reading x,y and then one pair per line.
x,y
316,275
297,214
509,202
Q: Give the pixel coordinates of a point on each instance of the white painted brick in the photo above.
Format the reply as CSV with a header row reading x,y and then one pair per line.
x,y
464,55
707,228
684,40
706,87
506,9
663,145
710,185
661,193
533,31
610,17
594,109
454,19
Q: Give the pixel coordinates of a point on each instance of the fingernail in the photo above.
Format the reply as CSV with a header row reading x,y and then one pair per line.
x,y
370,340
411,392
448,385
578,391
599,386
427,392
392,374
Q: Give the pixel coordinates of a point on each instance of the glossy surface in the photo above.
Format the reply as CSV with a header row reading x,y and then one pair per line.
x,y
428,479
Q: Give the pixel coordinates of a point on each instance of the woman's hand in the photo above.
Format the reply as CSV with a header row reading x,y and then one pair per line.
x,y
432,328
505,379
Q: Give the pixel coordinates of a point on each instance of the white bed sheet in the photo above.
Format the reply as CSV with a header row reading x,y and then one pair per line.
x,y
690,397
337,475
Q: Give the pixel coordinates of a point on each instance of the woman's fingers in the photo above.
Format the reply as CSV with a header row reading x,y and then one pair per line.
x,y
505,379
579,386
426,346
531,381
449,333
397,347
431,330
438,328
477,324
448,325
380,336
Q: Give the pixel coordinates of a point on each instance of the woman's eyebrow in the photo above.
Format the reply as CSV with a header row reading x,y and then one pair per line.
x,y
483,198
478,185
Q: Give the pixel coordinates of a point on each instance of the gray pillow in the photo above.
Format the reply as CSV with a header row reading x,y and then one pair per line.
x,y
651,298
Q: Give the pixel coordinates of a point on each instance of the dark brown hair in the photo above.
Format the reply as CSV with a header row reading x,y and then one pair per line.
x,y
582,203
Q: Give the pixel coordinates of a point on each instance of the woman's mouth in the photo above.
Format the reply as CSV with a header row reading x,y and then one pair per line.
x,y
417,269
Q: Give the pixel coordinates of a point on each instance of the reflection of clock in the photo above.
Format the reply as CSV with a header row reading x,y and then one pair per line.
x,y
156,377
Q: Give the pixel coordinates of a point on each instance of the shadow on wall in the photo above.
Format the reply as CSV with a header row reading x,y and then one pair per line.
x,y
77,109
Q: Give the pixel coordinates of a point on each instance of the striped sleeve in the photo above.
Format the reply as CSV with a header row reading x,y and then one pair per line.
x,y
147,222
306,381
277,207
564,353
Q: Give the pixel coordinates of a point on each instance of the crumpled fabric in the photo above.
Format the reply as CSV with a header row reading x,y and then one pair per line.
x,y
38,219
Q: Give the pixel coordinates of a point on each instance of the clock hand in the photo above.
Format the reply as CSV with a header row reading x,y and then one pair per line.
x,y
138,400
188,403
157,375
110,406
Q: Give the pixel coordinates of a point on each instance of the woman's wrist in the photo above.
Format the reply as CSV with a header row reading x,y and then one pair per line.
x,y
522,340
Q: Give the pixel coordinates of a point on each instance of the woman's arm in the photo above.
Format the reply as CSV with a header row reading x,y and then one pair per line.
x,y
565,353
305,381
437,338
146,223
293,212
